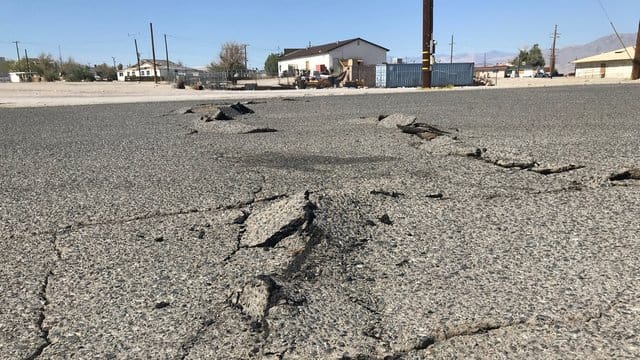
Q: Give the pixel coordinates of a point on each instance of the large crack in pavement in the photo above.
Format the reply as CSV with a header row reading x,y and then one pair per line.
x,y
44,332
286,227
442,142
40,323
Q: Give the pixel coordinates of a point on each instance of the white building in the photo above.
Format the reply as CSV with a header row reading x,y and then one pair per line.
x,y
21,76
614,64
146,71
328,56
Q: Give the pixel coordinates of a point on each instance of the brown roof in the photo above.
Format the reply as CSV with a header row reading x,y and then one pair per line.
x,y
321,49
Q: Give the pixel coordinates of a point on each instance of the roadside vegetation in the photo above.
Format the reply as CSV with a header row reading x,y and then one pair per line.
x,y
45,68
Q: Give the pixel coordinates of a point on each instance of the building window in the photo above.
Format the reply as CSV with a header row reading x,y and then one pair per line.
x,y
128,73
148,72
121,74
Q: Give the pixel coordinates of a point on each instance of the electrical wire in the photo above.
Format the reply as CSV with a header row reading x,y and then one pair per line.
x,y
614,29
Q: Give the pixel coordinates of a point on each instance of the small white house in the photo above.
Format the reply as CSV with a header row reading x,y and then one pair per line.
x,y
146,71
20,76
614,64
328,56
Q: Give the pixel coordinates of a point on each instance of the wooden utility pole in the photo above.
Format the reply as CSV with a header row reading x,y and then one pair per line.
x,y
135,42
635,73
17,49
153,52
60,54
552,58
246,60
166,50
427,42
26,56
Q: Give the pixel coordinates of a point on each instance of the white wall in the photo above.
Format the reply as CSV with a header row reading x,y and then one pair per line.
x,y
15,77
614,70
301,64
371,55
145,68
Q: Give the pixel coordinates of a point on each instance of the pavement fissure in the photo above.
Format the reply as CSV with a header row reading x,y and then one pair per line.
x,y
44,332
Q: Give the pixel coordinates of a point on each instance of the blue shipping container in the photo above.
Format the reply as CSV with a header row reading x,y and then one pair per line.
x,y
456,74
398,75
410,75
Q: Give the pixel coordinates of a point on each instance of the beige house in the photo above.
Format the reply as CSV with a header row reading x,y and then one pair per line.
x,y
615,64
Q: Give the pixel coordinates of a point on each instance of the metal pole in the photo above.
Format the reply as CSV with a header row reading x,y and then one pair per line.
x,y
166,49
427,42
635,72
153,52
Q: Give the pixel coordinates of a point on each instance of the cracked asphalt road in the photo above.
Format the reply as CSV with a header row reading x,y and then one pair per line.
x,y
134,232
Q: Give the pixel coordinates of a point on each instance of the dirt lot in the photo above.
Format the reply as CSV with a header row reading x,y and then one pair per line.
x,y
61,93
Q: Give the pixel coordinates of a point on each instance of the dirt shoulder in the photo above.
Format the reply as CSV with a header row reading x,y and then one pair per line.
x,y
63,93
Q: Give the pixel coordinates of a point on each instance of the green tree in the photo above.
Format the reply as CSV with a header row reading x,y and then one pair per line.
x,y
271,64
73,71
106,72
522,57
532,57
231,58
6,66
535,57
45,66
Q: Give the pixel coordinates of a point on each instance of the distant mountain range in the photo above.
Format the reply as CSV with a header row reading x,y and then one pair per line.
x,y
564,55
604,44
492,58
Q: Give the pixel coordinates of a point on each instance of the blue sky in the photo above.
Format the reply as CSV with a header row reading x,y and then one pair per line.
x,y
94,32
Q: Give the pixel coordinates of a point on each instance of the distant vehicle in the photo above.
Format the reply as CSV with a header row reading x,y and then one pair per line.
x,y
543,75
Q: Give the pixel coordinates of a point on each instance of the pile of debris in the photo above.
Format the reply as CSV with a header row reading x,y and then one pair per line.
x,y
217,119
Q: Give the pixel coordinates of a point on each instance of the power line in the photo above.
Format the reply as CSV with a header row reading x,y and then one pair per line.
x,y
614,29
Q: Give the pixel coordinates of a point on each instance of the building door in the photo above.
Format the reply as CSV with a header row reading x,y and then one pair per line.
x,y
603,70
306,65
